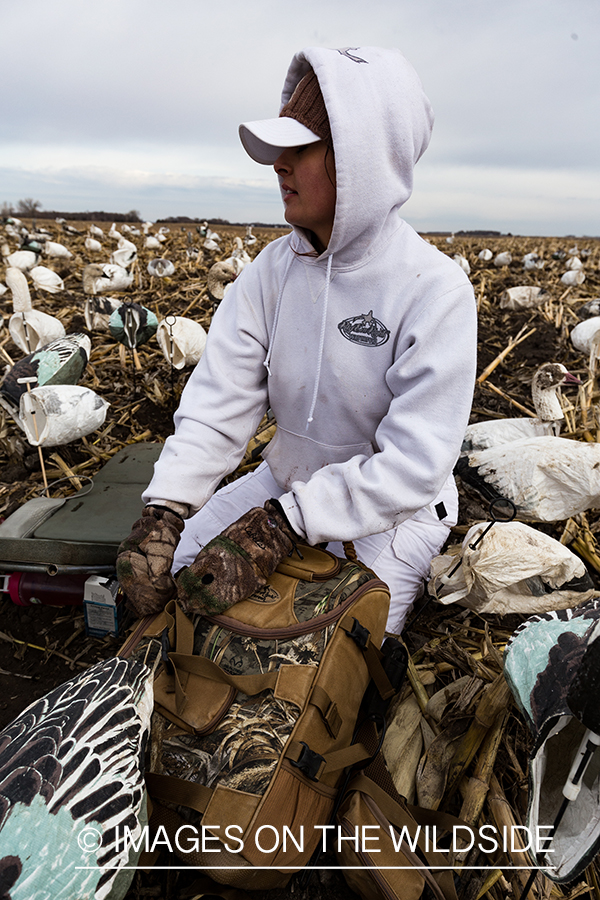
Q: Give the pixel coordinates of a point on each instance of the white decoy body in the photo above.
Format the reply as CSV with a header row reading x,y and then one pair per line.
x,y
92,245
549,479
573,277
96,231
152,243
32,329
46,280
98,279
59,251
503,259
161,268
220,276
545,385
463,262
20,259
182,341
523,296
485,255
532,261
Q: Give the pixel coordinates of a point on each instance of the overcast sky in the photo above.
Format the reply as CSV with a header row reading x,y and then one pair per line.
x,y
135,104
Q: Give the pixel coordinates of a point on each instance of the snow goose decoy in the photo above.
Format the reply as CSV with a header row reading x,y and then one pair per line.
x,y
463,262
532,261
181,340
220,276
32,329
161,268
71,779
503,259
16,281
524,296
589,309
132,324
98,279
126,253
98,310
46,280
545,385
573,277
20,259
95,231
485,255
56,414
250,238
549,479
92,245
59,251
59,362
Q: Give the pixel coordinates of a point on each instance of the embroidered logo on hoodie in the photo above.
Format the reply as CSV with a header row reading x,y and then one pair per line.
x,y
343,51
364,329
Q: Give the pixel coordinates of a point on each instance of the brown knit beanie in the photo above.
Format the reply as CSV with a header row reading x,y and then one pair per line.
x,y
307,106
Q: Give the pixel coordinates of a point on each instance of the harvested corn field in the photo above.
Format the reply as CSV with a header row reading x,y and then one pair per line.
x,y
456,741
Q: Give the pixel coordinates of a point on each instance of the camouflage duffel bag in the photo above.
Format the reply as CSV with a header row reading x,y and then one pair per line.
x,y
255,712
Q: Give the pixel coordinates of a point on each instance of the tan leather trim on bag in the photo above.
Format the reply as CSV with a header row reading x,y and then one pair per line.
x,y
317,565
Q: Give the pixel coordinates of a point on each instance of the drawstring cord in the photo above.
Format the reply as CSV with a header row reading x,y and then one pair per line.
x,y
276,316
321,344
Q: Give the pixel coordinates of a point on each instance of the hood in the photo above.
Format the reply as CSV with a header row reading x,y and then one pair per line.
x,y
381,122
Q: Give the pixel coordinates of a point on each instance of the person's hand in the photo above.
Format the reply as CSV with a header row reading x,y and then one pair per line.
x,y
145,558
237,562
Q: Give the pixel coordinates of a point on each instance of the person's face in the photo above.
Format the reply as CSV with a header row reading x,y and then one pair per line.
x,y
307,177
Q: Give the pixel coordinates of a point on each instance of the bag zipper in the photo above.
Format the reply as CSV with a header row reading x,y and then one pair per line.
x,y
319,623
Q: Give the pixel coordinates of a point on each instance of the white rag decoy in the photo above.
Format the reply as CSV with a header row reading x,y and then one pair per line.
x,y
98,279
525,296
589,309
182,341
96,231
32,329
463,262
585,337
574,263
59,251
545,386
532,261
152,243
503,259
126,253
92,245
573,277
485,255
46,280
549,479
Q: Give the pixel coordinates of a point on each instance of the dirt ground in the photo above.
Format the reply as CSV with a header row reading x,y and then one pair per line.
x,y
42,646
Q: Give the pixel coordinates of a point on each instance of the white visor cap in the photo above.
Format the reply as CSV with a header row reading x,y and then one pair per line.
x,y
265,139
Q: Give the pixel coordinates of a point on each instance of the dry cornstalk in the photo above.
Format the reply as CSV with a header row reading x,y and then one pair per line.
x,y
68,472
479,783
496,700
504,818
505,396
501,356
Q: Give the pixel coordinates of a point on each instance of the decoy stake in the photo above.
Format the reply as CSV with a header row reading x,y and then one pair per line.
x,y
28,382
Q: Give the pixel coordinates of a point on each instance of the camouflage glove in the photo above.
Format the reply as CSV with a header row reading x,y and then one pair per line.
x,y
145,558
237,562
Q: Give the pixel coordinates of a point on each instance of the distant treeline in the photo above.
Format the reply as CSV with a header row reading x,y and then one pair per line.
x,y
101,216
183,219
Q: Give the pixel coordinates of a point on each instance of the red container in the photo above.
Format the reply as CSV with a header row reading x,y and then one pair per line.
x,y
33,588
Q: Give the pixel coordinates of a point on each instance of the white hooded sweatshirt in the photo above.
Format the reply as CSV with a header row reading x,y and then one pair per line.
x,y
366,353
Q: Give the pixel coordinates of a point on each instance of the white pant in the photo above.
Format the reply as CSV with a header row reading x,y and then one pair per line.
x,y
400,557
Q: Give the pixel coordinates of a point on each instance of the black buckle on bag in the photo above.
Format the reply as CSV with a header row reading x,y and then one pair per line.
x,y
359,634
309,762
